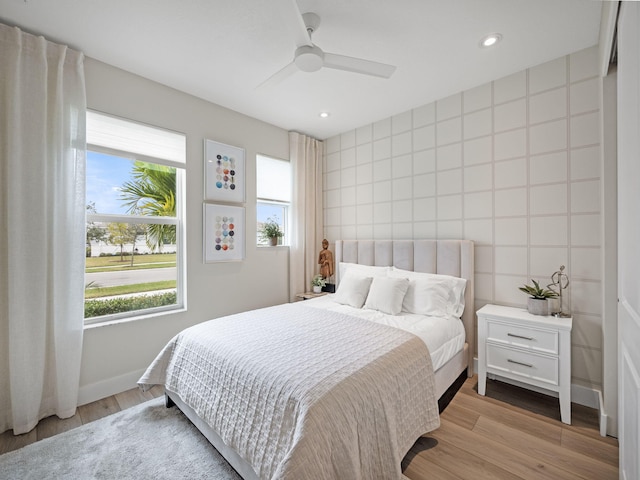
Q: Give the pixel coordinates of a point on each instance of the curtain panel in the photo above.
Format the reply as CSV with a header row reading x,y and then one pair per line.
x,y
306,211
42,192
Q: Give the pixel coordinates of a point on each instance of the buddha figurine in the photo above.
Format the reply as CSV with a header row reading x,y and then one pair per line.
x,y
325,260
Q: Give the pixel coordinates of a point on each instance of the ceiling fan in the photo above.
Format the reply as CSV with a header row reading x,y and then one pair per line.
x,y
308,57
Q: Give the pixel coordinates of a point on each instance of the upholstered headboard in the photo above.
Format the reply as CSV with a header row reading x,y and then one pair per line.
x,y
445,257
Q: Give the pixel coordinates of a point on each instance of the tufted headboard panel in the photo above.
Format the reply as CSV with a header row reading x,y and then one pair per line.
x,y
445,257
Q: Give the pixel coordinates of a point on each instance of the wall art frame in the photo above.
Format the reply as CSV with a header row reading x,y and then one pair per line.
x,y
224,172
224,233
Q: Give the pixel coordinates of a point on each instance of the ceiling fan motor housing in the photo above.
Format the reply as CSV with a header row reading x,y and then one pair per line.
x,y
309,58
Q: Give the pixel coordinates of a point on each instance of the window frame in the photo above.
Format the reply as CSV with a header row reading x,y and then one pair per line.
x,y
286,220
178,221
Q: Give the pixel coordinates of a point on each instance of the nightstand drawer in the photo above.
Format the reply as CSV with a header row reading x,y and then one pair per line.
x,y
522,364
545,341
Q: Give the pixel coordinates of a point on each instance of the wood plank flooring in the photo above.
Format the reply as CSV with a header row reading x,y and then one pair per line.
x,y
511,433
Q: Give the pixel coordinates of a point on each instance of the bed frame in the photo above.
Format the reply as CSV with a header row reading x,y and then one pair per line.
x,y
445,257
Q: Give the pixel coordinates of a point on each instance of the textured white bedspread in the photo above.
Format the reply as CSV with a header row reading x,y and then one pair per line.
x,y
443,336
302,393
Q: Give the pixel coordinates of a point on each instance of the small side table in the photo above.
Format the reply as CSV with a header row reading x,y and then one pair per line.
x,y
531,349
308,295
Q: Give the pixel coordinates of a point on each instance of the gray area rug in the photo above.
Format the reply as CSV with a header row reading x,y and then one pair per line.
x,y
147,441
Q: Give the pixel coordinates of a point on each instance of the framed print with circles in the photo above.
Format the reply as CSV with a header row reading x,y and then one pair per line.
x,y
224,172
224,233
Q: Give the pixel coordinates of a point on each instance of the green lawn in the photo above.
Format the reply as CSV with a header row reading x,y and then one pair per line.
x,y
98,292
113,263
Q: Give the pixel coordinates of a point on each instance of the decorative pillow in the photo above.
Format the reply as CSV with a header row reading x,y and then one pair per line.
x,y
363,270
353,290
442,295
386,294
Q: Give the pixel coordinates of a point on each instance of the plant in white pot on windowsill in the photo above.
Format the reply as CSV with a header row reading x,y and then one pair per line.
x,y
537,303
270,231
318,283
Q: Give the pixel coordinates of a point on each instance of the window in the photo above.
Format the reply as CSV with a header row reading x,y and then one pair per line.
x,y
273,191
135,232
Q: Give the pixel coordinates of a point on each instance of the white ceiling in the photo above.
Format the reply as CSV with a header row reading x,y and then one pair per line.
x,y
221,50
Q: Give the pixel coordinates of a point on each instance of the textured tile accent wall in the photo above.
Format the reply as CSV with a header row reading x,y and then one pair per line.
x,y
513,165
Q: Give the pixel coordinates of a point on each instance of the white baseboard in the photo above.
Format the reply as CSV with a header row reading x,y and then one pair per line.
x,y
106,388
603,416
589,397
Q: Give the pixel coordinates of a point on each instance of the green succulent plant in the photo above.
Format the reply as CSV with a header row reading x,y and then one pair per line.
x,y
536,291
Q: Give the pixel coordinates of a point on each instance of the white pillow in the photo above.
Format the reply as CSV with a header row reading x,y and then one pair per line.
x,y
353,290
363,270
429,293
386,294
427,296
459,285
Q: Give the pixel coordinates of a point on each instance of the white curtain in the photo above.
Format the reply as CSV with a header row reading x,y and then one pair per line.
x,y
42,177
306,211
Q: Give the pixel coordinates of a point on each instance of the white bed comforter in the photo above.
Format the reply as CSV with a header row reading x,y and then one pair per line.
x,y
444,336
302,393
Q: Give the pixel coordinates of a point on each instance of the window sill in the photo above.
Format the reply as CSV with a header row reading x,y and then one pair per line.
x,y
116,321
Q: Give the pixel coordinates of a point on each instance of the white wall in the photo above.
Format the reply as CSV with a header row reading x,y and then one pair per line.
x,y
514,165
115,355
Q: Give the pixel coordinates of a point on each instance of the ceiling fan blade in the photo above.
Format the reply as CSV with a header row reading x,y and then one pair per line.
x,y
279,76
358,65
292,17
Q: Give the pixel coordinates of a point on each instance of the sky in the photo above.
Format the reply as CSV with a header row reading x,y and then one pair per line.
x,y
107,173
266,211
105,176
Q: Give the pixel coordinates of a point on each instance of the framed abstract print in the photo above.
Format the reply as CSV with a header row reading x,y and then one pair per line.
x,y
224,233
224,172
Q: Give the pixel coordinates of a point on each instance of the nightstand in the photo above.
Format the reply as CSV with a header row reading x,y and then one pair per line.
x,y
531,349
308,295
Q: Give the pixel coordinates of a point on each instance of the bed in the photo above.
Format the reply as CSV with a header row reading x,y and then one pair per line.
x,y
325,388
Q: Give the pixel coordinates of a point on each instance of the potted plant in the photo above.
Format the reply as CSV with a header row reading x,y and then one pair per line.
x,y
537,303
318,283
270,231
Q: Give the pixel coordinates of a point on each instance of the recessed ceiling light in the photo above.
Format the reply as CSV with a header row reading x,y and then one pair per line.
x,y
490,40
324,114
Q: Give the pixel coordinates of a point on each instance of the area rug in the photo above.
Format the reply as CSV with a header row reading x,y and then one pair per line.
x,y
147,441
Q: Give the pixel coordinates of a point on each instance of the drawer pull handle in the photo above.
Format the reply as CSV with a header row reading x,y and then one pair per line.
x,y
520,363
519,336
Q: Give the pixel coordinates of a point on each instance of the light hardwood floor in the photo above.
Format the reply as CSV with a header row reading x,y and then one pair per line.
x,y
511,433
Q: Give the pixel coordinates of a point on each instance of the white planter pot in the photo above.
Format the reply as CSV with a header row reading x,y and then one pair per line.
x,y
537,306
317,289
